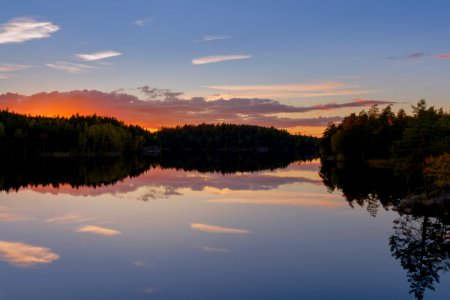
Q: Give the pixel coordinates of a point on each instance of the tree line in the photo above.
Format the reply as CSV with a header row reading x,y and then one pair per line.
x,y
22,135
32,135
233,138
414,145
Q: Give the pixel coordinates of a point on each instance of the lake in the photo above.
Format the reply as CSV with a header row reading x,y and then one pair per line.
x,y
166,232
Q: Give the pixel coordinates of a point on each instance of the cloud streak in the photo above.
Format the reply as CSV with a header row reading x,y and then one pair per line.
x,y
218,58
20,30
69,67
98,55
287,90
210,38
10,217
443,56
209,249
98,230
12,67
303,200
143,264
277,88
143,22
414,56
5,69
217,229
68,219
25,255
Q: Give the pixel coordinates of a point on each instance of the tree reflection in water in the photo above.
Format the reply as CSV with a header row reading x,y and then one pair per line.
x,y
421,234
364,186
17,173
422,245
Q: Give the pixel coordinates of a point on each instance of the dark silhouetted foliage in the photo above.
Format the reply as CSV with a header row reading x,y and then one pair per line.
x,y
233,138
17,173
404,142
94,135
421,245
385,135
84,135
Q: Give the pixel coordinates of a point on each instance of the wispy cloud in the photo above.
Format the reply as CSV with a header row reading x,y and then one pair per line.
x,y
69,67
143,264
69,219
23,29
281,87
210,38
414,56
149,290
443,56
25,255
98,230
357,102
287,90
218,58
12,67
8,68
11,217
143,22
305,199
217,229
155,93
214,249
98,55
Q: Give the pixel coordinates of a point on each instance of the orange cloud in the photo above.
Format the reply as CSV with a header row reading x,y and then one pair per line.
x,y
444,56
25,255
172,110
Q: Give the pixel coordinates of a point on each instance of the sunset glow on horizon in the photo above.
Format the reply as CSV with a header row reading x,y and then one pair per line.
x,y
167,63
170,112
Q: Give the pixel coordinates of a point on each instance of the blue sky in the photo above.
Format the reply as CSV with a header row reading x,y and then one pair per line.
x,y
383,50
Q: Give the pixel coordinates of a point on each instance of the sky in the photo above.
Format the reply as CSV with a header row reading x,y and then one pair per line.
x,y
290,64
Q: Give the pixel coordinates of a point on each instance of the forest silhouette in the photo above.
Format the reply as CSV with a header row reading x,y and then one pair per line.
x,y
22,135
383,160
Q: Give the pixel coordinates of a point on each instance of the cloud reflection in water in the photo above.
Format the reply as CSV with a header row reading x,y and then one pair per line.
x,y
217,229
20,254
98,230
69,218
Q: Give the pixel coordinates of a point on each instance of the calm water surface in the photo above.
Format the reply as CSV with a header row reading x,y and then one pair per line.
x,y
169,234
